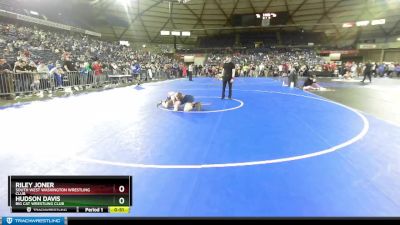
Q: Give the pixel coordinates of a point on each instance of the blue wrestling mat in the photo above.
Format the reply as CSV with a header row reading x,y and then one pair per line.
x,y
270,151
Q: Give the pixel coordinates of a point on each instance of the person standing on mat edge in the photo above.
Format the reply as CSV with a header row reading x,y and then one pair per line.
x,y
228,75
293,76
190,72
367,72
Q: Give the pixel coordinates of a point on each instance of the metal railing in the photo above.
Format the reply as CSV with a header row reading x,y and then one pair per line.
x,y
31,82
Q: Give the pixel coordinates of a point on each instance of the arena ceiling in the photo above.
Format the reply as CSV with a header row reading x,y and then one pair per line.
x,y
142,20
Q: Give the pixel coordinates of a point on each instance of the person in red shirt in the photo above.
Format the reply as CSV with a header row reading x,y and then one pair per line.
x,y
285,68
26,53
333,67
96,67
184,70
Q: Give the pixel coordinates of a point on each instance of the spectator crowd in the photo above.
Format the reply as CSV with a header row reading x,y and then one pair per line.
x,y
39,55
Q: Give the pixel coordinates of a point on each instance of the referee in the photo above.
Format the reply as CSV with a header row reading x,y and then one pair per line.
x,y
367,72
228,74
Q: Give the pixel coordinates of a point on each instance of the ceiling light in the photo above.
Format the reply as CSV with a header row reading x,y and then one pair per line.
x,y
378,22
176,33
165,32
34,13
362,23
186,33
347,25
123,2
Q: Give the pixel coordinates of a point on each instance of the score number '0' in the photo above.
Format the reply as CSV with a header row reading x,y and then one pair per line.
x,y
121,189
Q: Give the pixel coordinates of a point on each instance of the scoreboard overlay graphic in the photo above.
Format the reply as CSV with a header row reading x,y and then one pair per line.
x,y
70,194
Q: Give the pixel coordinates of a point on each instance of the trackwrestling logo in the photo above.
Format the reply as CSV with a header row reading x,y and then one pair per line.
x,y
33,220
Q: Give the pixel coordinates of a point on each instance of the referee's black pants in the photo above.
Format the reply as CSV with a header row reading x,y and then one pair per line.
x,y
226,80
367,74
190,75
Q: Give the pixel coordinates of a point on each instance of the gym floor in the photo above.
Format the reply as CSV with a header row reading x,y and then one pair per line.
x,y
270,151
380,98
